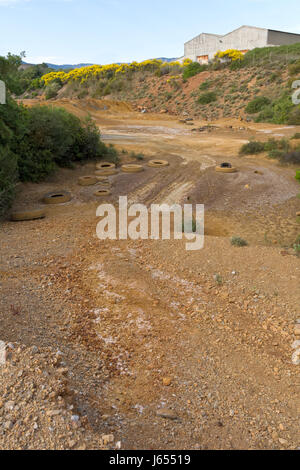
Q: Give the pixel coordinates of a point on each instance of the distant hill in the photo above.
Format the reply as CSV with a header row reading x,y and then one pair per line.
x,y
78,66
165,59
57,67
67,66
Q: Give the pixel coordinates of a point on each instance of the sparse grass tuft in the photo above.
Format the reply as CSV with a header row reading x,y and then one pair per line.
x,y
238,241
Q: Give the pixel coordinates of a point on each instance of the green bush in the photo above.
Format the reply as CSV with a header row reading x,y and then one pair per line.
x,y
205,85
276,148
207,98
273,144
291,158
12,128
193,69
238,241
52,90
296,246
8,178
257,105
252,148
53,138
294,117
294,69
281,111
298,175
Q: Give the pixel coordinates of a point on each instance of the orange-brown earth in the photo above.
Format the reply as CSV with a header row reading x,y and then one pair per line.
x,y
163,348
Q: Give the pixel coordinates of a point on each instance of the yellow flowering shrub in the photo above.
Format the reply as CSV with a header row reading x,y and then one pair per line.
x,y
232,54
97,72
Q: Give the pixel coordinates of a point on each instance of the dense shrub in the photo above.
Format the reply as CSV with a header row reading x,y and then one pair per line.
x,y
273,144
193,69
206,98
298,175
281,111
256,105
12,127
52,90
279,149
8,177
291,157
53,138
252,148
294,117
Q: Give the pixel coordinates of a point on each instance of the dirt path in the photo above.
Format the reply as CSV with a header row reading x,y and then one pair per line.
x,y
164,349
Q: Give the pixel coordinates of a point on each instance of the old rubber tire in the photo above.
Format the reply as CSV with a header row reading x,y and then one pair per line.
x,y
102,179
87,180
106,172
102,192
132,168
105,166
34,214
219,169
158,163
57,197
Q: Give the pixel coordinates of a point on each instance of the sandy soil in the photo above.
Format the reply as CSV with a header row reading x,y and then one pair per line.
x,y
164,348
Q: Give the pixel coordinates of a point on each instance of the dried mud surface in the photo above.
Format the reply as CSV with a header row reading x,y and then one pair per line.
x,y
159,347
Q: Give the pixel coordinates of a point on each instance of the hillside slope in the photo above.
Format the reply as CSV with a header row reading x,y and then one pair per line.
x,y
221,89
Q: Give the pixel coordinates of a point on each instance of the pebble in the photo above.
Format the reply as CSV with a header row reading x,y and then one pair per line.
x,y
75,418
107,439
296,358
167,381
53,412
283,442
167,413
297,330
8,425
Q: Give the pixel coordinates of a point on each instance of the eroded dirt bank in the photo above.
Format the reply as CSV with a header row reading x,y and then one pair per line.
x,y
161,347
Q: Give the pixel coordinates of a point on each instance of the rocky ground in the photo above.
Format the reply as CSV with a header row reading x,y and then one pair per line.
x,y
143,345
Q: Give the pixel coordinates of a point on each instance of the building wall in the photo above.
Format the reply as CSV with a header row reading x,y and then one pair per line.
x,y
277,38
204,44
244,39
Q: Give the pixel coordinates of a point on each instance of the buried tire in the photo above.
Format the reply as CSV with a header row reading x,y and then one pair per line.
x,y
57,197
87,180
158,163
34,214
226,168
102,192
131,168
105,166
106,172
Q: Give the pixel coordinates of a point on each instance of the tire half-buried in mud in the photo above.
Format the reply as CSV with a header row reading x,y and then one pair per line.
x,y
108,172
87,180
105,166
158,163
102,192
221,169
34,214
57,197
131,168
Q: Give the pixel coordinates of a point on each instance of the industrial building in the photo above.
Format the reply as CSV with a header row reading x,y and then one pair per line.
x,y
204,47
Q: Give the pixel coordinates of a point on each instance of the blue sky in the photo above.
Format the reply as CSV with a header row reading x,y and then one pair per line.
x,y
105,31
